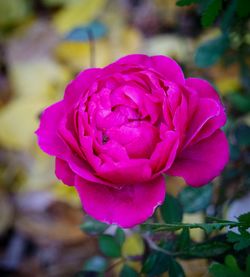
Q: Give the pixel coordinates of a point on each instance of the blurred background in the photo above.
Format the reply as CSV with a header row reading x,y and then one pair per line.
x,y
44,44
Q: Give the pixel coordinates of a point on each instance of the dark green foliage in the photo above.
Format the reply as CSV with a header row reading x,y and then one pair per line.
x,y
211,12
242,135
156,263
175,269
240,102
128,271
195,199
171,210
184,239
109,246
92,226
186,2
119,236
228,16
211,51
243,8
207,227
241,241
208,249
245,218
229,269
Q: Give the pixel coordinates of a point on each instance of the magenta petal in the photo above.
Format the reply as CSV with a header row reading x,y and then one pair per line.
x,y
207,110
165,152
126,207
202,162
169,68
80,84
64,173
48,139
203,88
126,172
136,59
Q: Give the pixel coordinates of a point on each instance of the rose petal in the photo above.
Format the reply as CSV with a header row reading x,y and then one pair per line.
x,y
166,66
206,90
48,139
169,68
203,87
79,85
64,173
67,130
207,110
136,59
164,153
126,172
126,207
202,162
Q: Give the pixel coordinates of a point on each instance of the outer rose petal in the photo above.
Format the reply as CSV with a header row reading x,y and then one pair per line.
x,y
64,173
126,207
168,68
162,64
203,87
201,162
48,139
79,85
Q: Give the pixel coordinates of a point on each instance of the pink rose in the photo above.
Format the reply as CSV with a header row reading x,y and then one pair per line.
x,y
118,129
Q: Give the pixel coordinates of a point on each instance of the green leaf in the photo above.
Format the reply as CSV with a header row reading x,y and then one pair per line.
x,y
229,269
211,12
92,226
195,199
242,135
109,246
234,153
243,8
219,270
171,210
186,2
128,271
248,265
184,239
96,263
241,241
207,249
239,102
228,16
231,262
119,236
156,264
175,269
211,51
245,218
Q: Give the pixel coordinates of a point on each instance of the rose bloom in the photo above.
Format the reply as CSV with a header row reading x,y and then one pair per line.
x,y
119,129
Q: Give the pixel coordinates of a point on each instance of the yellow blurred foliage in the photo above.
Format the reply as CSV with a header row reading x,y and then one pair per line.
x,y
37,84
76,13
18,121
66,194
133,246
13,11
228,85
39,78
196,234
77,54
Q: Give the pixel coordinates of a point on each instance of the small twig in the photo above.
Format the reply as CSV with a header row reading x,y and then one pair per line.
x,y
91,40
119,261
154,246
